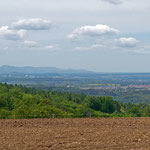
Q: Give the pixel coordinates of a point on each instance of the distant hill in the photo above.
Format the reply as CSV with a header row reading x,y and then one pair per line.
x,y
39,70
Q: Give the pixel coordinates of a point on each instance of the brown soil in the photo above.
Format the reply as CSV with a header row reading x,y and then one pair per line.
x,y
76,134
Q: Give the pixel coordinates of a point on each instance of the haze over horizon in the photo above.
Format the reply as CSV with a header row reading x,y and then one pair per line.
x,y
95,35
56,69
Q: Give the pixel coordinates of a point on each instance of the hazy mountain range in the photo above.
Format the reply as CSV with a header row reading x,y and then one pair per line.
x,y
38,70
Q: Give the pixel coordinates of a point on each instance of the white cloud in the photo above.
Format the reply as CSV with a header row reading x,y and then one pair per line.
x,y
35,46
49,47
92,47
32,24
9,34
115,2
79,48
97,30
127,42
31,43
98,46
22,33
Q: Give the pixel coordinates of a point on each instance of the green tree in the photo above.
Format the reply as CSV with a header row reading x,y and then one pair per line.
x,y
134,111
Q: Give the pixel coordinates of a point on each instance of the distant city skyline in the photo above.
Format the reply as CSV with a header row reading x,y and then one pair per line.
x,y
95,35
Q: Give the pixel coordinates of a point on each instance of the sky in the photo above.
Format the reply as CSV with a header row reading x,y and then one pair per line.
x,y
96,35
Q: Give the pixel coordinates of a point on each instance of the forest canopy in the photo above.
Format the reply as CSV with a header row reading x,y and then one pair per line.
x,y
22,102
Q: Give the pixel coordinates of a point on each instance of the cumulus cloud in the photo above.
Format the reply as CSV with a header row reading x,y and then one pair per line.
x,y
115,2
127,42
22,33
10,34
31,43
97,30
32,24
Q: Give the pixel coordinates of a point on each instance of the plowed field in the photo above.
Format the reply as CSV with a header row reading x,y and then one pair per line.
x,y
76,134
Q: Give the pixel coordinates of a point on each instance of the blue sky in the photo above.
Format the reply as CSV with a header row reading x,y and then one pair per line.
x,y
98,35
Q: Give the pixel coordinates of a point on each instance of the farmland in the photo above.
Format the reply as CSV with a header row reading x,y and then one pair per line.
x,y
123,87
92,133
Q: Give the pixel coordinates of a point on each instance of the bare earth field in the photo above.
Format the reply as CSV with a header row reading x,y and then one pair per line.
x,y
76,134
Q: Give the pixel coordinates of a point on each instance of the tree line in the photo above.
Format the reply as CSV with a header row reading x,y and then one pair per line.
x,y
22,102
